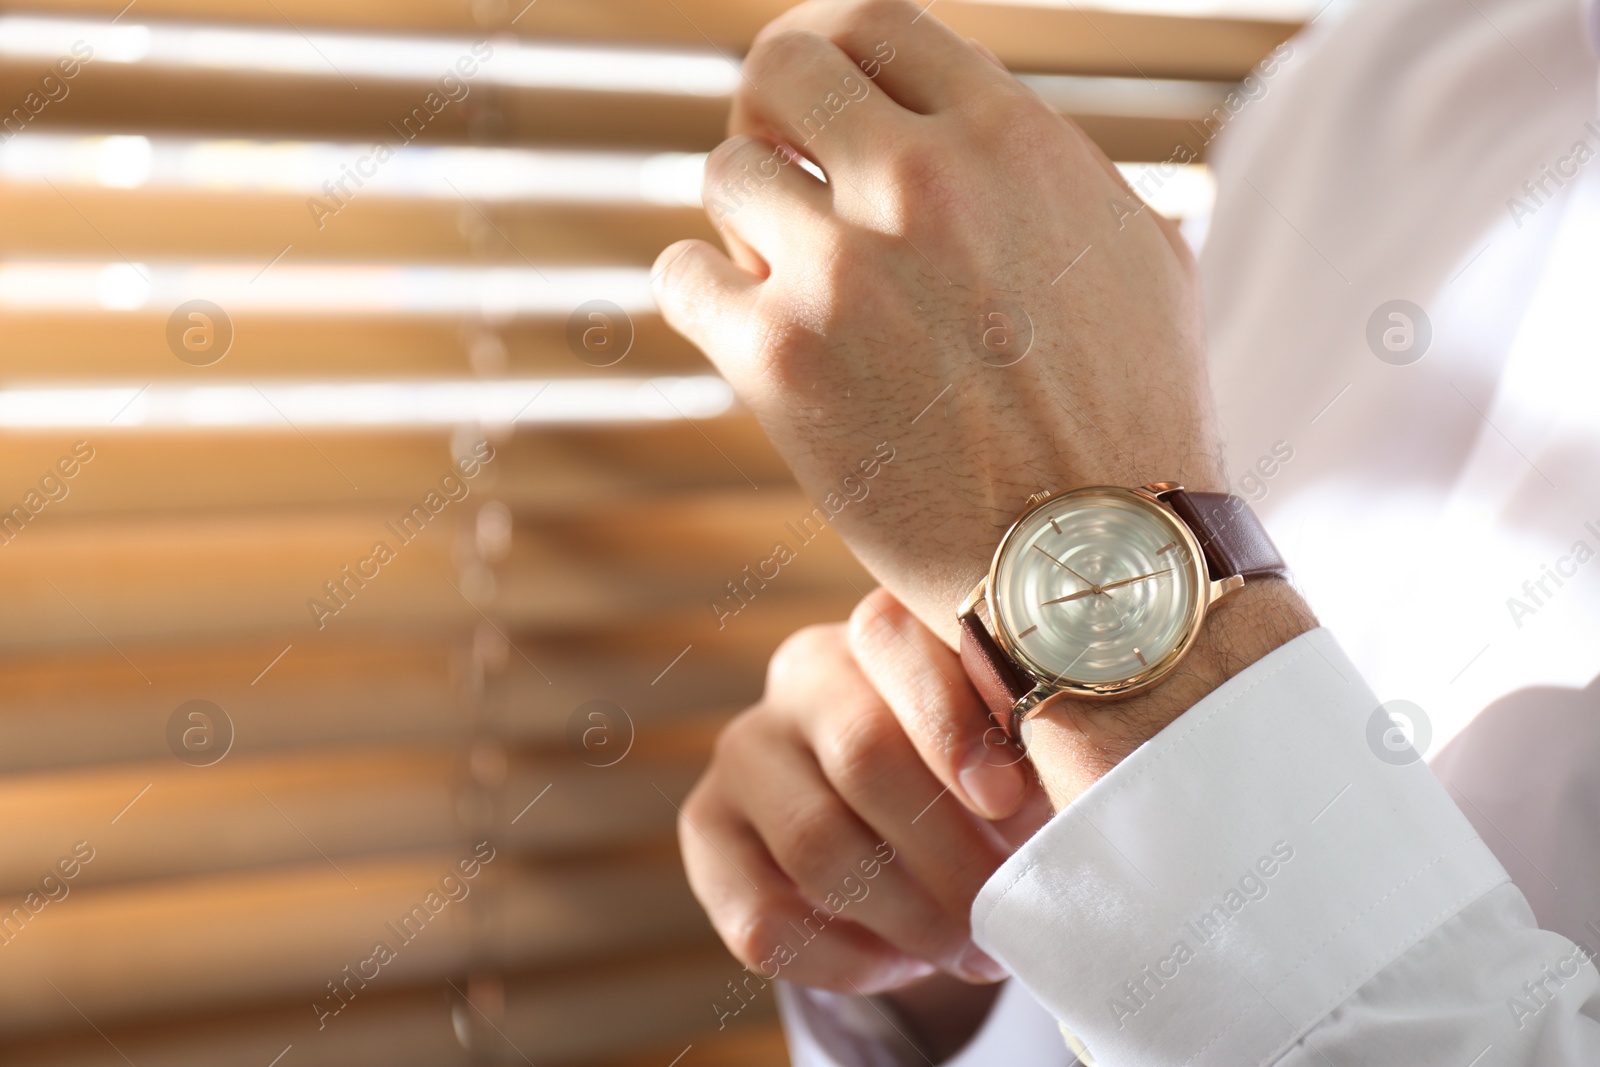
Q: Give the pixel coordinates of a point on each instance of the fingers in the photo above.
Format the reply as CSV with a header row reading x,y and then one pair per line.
x,y
702,293
864,754
824,848
764,921
800,88
821,846
918,60
866,759
922,681
754,192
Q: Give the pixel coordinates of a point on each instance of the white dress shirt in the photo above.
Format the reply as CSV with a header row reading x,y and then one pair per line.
x,y
1275,878
1418,150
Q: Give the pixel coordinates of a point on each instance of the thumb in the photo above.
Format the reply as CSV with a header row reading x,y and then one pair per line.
x,y
922,681
702,293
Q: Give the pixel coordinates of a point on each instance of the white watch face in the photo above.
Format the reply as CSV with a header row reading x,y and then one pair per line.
x,y
1096,587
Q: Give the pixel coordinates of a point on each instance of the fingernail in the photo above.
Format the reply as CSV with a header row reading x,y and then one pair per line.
x,y
975,964
995,788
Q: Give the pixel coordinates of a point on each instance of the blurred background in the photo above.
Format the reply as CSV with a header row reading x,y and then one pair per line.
x,y
373,562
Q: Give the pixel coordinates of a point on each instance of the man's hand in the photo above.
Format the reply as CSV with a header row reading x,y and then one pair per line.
x,y
820,839
974,286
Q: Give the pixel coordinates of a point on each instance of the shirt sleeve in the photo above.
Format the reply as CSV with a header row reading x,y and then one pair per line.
x,y
1278,878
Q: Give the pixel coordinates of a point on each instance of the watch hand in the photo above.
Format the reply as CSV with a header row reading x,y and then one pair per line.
x,y
1092,587
1102,588
1140,578
1073,596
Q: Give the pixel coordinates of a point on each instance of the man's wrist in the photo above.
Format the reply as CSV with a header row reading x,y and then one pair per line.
x,y
1073,744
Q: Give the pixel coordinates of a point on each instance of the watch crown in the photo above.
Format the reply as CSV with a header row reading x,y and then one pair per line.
x,y
1036,498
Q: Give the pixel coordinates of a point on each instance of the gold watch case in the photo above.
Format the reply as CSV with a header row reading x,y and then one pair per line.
x,y
1049,688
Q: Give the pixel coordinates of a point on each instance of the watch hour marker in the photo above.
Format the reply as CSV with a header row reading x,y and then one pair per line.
x,y
1053,525
1168,547
1142,660
1028,631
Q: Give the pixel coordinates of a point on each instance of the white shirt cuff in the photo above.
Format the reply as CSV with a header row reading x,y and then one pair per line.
x,y
1237,877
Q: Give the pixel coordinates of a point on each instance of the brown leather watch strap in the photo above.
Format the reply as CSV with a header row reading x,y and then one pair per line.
x,y
1233,538
994,676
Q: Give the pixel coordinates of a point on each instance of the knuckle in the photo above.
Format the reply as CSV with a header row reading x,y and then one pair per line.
x,y
730,151
811,304
731,743
751,928
729,170
812,301
693,806
1009,112
842,263
877,13
779,47
925,181
878,616
1023,135
673,260
700,813
868,740
914,163
809,839
792,343
803,654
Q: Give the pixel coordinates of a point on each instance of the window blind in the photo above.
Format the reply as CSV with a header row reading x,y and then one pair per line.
x,y
361,627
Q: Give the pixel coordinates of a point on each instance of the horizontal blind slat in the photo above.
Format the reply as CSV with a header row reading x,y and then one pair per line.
x,y
1025,36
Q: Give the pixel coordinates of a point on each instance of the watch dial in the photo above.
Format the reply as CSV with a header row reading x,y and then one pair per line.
x,y
1096,586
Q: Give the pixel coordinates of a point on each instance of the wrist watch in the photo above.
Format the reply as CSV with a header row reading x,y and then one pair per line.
x,y
1099,592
